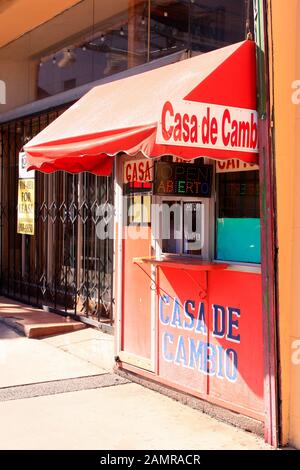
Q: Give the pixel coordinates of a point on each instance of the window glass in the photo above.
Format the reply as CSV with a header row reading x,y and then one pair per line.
x,y
182,227
147,209
238,217
137,209
169,27
193,220
115,40
198,25
216,23
171,226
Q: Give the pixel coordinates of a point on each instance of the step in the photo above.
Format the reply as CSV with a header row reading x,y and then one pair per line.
x,y
34,322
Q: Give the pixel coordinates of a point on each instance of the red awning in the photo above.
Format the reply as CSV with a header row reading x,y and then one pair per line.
x,y
203,106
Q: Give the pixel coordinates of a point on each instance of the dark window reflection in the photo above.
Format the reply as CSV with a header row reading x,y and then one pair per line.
x,y
216,23
169,27
128,37
198,25
116,44
238,194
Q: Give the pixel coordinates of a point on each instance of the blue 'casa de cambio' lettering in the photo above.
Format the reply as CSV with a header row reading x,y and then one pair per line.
x,y
189,322
194,352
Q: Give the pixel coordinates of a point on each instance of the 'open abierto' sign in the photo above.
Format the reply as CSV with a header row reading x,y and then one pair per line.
x,y
182,179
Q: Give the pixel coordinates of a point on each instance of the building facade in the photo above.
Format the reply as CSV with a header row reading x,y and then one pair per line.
x,y
46,68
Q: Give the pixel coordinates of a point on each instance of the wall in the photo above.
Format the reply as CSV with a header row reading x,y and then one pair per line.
x,y
284,30
19,59
15,19
16,69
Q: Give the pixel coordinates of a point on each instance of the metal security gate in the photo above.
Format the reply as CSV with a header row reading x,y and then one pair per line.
x,y
64,266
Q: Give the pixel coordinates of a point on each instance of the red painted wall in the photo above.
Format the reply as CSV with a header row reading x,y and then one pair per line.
x,y
229,364
136,316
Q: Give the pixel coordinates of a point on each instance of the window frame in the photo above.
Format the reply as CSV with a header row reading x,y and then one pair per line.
x,y
233,265
206,251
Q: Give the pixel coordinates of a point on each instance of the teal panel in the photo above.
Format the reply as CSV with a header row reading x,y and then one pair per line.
x,y
238,240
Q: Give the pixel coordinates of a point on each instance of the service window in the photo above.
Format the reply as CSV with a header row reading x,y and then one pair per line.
x,y
182,227
182,194
238,217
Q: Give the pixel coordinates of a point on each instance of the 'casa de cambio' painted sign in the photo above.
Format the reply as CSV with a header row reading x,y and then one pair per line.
x,y
194,351
191,124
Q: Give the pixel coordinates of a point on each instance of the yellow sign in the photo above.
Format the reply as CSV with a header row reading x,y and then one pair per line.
x,y
26,195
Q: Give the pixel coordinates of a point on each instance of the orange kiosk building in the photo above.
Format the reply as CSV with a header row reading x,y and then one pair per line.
x,y
182,142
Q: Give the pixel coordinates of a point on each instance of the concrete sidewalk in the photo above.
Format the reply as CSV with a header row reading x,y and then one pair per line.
x,y
90,345
29,361
117,417
60,393
79,352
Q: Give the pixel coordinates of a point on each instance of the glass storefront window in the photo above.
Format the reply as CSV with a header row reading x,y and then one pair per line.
x,y
197,25
216,24
123,38
117,41
96,39
169,27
